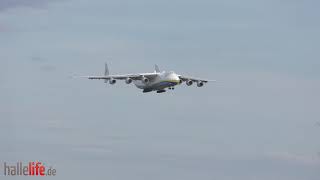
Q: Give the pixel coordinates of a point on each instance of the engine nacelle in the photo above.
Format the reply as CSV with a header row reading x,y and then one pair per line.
x,y
128,80
145,80
189,82
200,83
112,81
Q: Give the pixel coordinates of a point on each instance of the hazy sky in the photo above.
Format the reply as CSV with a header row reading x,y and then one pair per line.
x,y
259,121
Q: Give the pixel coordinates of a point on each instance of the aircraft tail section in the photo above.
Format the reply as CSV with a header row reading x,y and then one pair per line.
x,y
106,72
156,68
106,69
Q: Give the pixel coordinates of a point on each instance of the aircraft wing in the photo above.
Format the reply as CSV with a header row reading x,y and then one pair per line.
x,y
124,76
185,78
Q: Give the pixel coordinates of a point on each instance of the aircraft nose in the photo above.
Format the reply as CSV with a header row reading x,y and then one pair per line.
x,y
176,78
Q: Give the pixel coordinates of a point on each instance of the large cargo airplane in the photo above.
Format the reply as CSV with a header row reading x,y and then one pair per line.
x,y
157,81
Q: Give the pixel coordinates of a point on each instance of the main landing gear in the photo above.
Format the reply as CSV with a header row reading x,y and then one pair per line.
x,y
146,90
161,91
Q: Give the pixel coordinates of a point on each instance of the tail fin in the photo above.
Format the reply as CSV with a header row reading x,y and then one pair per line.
x,y
106,72
156,68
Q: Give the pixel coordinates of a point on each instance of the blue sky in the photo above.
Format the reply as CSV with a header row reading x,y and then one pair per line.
x,y
259,121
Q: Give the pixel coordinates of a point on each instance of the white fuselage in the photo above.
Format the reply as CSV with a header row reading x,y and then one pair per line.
x,y
161,81
155,81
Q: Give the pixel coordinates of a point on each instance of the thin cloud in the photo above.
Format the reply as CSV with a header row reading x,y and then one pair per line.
x,y
3,28
9,4
48,68
296,158
43,63
38,59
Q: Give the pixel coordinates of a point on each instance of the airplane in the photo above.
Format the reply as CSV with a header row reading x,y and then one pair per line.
x,y
156,81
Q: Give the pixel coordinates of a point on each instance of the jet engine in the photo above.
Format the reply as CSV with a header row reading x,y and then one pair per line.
x,y
189,82
145,80
112,81
200,83
128,80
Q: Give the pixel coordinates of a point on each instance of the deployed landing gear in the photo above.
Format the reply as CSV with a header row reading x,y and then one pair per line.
x,y
146,90
171,88
161,91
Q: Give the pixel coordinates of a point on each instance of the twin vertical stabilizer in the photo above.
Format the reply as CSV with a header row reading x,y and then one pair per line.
x,y
106,72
